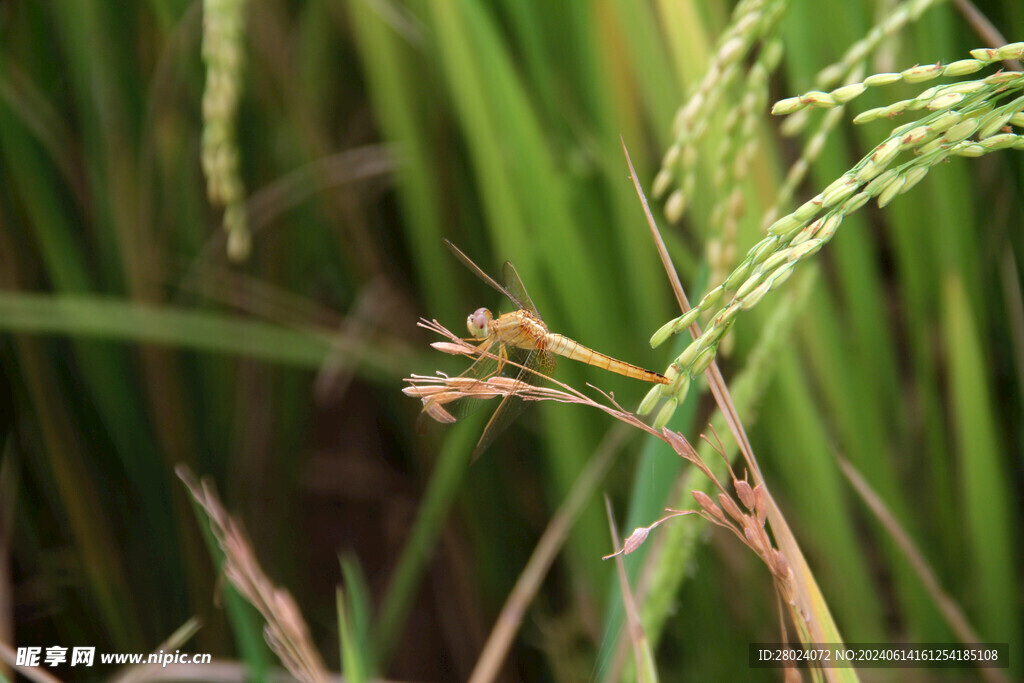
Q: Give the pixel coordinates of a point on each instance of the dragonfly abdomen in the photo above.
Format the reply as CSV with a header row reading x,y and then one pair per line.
x,y
568,348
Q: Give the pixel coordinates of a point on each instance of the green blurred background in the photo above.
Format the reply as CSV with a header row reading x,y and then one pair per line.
x,y
368,131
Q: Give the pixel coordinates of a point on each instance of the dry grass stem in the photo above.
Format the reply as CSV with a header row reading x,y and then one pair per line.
x,y
643,661
144,672
285,630
551,541
951,612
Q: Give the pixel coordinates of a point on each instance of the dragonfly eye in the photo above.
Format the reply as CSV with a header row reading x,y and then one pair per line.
x,y
477,322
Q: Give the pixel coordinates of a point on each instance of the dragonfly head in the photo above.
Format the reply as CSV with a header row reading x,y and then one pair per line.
x,y
478,323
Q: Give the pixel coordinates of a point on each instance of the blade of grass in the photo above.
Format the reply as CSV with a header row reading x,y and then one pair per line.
x,y
400,93
444,483
355,645
988,524
353,665
814,493
118,320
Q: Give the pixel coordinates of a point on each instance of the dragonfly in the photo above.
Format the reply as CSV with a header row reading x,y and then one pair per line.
x,y
521,341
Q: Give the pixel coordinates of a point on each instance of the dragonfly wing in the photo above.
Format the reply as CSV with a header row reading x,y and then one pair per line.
x,y
546,364
466,261
509,409
516,290
512,406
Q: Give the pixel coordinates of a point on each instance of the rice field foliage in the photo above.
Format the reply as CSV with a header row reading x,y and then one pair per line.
x,y
220,222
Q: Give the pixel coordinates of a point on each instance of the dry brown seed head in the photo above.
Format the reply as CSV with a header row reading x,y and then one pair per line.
x,y
761,503
704,500
746,495
635,539
449,347
730,506
437,412
783,569
753,540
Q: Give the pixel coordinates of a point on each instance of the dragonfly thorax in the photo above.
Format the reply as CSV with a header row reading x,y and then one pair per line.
x,y
478,323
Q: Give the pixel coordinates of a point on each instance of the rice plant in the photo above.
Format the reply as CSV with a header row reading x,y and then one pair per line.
x,y
220,222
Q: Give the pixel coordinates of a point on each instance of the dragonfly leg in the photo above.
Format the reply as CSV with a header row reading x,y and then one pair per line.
x,y
483,350
502,357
